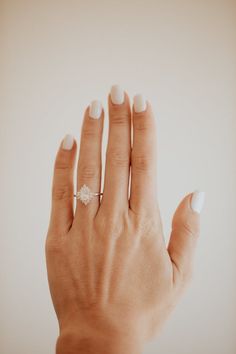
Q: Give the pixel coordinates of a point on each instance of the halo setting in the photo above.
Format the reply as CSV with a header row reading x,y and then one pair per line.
x,y
85,195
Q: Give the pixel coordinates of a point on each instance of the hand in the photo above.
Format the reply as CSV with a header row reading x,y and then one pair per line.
x,y
112,279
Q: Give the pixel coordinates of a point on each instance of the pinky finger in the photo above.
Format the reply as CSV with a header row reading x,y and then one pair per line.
x,y
62,213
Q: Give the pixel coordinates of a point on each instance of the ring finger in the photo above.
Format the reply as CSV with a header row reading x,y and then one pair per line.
x,y
89,163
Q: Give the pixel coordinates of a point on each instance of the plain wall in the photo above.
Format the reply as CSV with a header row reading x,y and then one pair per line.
x,y
56,56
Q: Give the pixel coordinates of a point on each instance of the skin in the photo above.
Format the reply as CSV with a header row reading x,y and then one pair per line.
x,y
112,279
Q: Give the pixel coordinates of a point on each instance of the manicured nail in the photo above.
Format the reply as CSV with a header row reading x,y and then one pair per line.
x,y
68,142
95,109
197,201
117,94
140,104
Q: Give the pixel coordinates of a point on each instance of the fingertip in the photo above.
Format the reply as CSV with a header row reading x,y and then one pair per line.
x,y
94,114
197,201
192,203
68,142
118,101
185,215
144,118
140,103
117,95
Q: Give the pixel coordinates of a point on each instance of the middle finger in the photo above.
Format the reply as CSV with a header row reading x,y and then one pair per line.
x,y
116,183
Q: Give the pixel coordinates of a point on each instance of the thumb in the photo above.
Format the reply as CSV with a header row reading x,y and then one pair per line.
x,y
184,234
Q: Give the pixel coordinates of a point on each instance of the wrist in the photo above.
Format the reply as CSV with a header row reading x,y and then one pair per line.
x,y
71,342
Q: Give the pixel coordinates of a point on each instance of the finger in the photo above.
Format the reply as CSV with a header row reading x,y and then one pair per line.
x,y
143,157
89,163
62,213
185,232
118,149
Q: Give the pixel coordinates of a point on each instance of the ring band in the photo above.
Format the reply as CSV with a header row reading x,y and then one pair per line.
x,y
85,195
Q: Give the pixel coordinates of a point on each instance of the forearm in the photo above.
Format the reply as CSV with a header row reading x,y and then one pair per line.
x,y
68,343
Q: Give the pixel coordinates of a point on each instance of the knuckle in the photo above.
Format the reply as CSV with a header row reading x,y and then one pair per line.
x,y
107,223
89,131
142,124
88,171
62,165
141,163
62,192
52,246
189,228
119,158
120,117
148,227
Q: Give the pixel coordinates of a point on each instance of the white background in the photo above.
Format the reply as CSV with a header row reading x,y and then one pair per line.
x,y
58,56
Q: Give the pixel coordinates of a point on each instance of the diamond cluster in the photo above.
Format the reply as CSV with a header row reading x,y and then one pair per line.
x,y
84,194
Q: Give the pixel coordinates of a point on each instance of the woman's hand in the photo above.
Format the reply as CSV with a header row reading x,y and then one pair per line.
x,y
113,281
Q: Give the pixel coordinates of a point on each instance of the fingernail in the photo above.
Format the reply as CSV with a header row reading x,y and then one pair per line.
x,y
117,94
197,201
68,142
140,104
95,109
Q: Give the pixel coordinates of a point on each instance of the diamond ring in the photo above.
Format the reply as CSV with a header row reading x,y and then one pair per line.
x,y
85,195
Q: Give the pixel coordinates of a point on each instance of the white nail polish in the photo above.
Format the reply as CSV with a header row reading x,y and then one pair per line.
x,y
68,142
95,109
117,94
140,104
197,201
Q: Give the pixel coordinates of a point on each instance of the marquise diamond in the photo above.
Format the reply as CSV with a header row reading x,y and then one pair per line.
x,y
84,194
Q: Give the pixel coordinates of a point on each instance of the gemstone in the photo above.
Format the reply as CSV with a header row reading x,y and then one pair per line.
x,y
84,194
